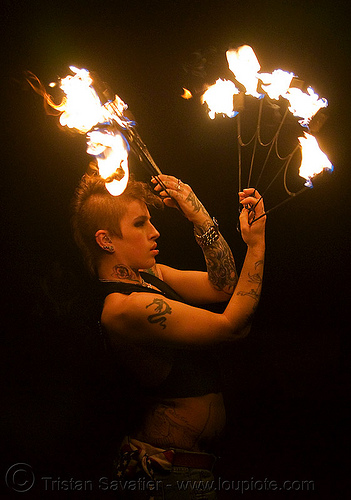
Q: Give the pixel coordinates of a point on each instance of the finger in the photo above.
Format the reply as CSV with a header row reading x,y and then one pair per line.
x,y
162,186
158,187
159,181
249,200
169,202
168,182
170,193
162,177
249,192
244,216
176,186
254,207
247,217
253,200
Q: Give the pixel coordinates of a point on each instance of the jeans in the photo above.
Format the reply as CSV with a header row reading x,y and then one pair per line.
x,y
145,472
181,483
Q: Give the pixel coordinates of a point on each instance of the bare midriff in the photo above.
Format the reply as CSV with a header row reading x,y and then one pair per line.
x,y
191,423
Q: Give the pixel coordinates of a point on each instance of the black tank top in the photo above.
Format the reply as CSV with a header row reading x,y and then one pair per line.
x,y
194,372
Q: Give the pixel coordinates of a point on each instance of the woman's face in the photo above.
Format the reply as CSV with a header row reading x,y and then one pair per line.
x,y
137,248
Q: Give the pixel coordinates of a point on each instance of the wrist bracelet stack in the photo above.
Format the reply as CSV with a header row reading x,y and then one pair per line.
x,y
210,236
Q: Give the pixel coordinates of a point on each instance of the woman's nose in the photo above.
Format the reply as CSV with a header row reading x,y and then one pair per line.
x,y
154,233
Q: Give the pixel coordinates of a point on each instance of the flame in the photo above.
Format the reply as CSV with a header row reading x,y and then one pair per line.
x,y
276,83
82,110
115,111
314,161
81,107
304,105
111,152
245,66
186,94
219,98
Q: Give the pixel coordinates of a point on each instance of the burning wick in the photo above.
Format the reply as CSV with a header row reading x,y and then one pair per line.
x,y
219,98
111,152
83,111
314,161
245,67
110,134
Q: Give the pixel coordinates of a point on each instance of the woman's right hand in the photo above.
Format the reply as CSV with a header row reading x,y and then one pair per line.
x,y
252,231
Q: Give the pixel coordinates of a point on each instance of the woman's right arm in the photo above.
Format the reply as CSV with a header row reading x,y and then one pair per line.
x,y
149,318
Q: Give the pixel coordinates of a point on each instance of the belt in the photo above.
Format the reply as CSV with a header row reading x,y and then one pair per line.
x,y
193,460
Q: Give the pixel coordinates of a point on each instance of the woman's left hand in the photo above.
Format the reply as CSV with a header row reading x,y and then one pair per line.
x,y
180,194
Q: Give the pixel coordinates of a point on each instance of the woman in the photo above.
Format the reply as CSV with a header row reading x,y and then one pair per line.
x,y
160,336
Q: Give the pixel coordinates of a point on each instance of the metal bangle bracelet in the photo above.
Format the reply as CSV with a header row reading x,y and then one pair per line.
x,y
209,237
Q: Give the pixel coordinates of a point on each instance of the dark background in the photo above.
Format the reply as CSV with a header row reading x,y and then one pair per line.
x,y
286,385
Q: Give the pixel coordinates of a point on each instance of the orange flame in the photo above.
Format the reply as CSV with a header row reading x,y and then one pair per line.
x,y
111,152
186,94
219,98
81,109
244,64
304,105
276,83
314,161
39,88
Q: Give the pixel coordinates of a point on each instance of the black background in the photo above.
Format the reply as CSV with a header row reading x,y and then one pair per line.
x,y
286,385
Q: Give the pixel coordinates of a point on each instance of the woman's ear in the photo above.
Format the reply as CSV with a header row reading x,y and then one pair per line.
x,y
104,241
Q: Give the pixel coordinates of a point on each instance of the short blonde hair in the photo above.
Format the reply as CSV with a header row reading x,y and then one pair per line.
x,y
94,208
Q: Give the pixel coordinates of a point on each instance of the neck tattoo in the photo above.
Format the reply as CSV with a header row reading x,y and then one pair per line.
x,y
122,272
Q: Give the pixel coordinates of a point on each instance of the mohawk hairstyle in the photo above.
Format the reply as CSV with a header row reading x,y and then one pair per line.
x,y
94,208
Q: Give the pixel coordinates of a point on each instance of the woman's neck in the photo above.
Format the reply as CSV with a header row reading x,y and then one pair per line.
x,y
120,272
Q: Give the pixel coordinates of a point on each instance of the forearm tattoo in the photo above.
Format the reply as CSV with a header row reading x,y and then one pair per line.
x,y
219,259
221,266
161,308
256,279
196,204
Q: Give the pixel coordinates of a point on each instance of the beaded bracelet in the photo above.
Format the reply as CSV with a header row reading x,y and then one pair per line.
x,y
209,237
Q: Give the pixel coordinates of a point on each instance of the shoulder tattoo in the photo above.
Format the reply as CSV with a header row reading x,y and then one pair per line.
x,y
161,308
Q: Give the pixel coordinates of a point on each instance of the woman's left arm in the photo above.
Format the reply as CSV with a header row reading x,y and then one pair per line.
x,y
218,283
219,259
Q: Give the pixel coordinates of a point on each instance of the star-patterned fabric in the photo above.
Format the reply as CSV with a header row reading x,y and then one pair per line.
x,y
136,456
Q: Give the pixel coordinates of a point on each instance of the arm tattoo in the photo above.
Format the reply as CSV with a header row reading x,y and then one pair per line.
x,y
219,259
221,266
252,293
161,309
257,279
196,203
